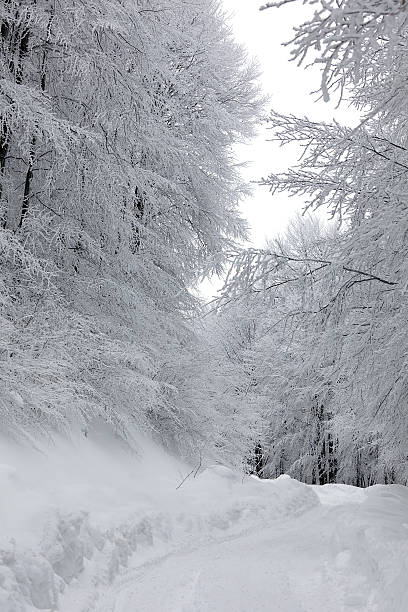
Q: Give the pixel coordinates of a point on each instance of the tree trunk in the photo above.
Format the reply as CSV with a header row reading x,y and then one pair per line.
x,y
15,40
259,463
4,129
43,81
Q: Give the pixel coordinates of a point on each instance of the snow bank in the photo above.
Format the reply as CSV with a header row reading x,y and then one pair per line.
x,y
336,494
367,543
73,515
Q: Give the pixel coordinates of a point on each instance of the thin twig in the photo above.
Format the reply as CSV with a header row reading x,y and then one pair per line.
x,y
184,479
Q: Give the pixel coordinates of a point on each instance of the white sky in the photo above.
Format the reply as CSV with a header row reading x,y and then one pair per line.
x,y
289,88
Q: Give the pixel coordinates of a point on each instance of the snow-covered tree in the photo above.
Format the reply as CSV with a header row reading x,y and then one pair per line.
x,y
285,287
351,298
118,190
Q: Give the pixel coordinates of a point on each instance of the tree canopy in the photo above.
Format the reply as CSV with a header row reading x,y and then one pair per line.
x,y
336,345
118,190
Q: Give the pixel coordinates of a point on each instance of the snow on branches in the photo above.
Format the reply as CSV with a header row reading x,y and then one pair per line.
x,y
344,37
117,122
333,303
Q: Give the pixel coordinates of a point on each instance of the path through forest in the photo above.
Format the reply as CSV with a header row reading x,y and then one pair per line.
x,y
91,528
347,553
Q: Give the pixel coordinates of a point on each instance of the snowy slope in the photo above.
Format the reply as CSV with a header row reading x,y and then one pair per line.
x,y
90,527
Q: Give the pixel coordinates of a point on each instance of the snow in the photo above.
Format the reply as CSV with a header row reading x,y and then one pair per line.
x,y
89,526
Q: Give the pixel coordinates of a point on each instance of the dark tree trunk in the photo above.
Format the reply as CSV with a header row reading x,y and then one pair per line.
x,y
139,207
43,80
4,129
15,40
259,462
27,184
4,146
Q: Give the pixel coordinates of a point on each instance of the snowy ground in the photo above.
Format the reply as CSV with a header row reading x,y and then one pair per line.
x,y
94,529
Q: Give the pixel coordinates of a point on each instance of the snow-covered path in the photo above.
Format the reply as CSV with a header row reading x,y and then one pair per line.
x,y
91,528
271,569
333,557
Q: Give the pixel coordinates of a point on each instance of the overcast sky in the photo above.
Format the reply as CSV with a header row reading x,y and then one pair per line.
x,y
289,88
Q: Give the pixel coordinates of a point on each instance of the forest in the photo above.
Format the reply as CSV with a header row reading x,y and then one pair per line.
x,y
120,192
